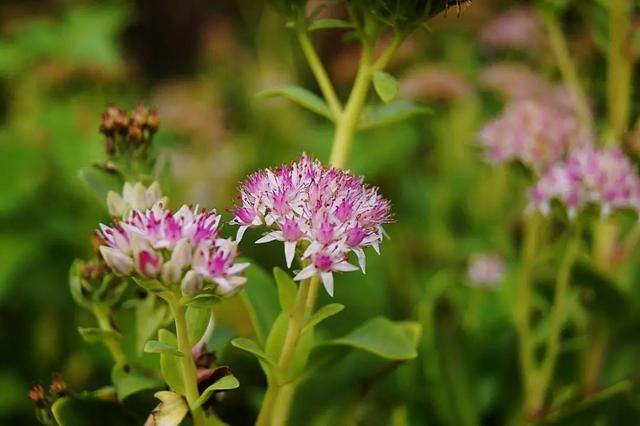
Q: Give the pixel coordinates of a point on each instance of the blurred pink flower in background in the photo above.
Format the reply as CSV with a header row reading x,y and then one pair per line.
x,y
535,132
486,270
519,28
435,82
605,177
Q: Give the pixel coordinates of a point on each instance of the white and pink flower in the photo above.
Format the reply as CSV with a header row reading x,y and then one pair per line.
x,y
537,133
601,176
326,212
177,248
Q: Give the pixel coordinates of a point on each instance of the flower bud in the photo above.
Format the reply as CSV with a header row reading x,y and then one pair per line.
x,y
191,283
58,385
119,262
38,396
153,121
116,204
134,133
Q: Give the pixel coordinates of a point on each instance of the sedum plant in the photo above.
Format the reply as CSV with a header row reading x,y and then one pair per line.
x,y
172,266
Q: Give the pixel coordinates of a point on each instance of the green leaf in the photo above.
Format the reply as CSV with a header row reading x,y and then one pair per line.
x,y
151,313
381,337
302,97
413,330
201,301
277,336
325,24
391,113
92,335
84,410
250,346
287,290
99,181
197,322
128,381
261,299
225,383
153,286
156,347
386,86
170,364
322,314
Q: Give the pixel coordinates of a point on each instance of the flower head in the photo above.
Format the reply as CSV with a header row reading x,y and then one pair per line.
x,y
534,132
328,212
486,270
179,247
605,177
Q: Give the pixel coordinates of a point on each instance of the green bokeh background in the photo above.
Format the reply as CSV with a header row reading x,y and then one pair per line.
x,y
201,64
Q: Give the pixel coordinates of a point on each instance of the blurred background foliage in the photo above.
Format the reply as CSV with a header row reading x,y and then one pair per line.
x,y
201,64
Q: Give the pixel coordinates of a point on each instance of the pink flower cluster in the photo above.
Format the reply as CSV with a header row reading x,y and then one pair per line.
x,y
605,177
328,212
516,81
534,132
516,29
181,247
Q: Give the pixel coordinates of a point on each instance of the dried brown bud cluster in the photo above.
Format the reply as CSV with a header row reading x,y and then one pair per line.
x,y
38,395
125,130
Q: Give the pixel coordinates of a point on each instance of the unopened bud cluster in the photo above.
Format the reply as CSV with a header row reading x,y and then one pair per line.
x,y
126,131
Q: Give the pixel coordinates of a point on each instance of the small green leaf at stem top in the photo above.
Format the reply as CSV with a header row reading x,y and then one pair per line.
x,y
302,97
250,346
287,289
224,383
391,113
92,335
156,347
322,314
386,86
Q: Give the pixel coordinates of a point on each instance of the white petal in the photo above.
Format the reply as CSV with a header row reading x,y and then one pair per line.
x,y
307,272
327,281
362,259
289,252
271,236
344,266
241,231
237,268
314,247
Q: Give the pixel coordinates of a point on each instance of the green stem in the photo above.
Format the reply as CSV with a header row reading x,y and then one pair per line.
x,y
296,322
319,71
347,123
282,406
619,67
272,405
103,317
567,67
557,321
524,303
188,365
